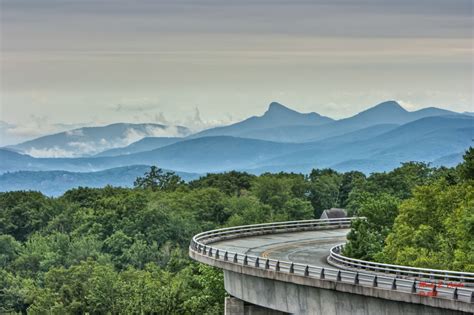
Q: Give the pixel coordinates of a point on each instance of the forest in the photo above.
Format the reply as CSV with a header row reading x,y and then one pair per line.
x,y
125,250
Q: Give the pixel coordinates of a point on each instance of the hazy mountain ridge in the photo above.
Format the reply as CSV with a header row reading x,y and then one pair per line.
x,y
359,142
55,183
277,115
423,139
389,112
145,144
88,141
427,139
278,123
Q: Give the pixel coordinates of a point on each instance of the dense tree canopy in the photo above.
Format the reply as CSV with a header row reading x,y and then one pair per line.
x,y
427,221
121,250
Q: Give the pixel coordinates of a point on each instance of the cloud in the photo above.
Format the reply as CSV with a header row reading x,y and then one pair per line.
x,y
75,132
135,105
409,105
195,123
5,125
132,134
54,152
36,126
160,118
82,146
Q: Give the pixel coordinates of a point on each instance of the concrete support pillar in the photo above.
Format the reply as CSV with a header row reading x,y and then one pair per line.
x,y
235,306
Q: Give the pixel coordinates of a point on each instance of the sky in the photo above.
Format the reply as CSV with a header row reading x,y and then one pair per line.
x,y
70,63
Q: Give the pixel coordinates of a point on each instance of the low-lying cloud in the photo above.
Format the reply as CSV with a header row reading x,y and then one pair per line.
x,y
81,143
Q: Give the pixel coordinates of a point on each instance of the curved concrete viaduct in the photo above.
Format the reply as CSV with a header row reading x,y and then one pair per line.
x,y
283,268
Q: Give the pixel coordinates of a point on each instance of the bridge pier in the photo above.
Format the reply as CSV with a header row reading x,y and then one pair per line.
x,y
235,306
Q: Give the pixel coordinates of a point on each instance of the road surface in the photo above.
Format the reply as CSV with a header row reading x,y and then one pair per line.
x,y
311,247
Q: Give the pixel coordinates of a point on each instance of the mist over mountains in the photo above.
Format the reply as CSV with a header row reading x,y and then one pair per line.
x,y
89,141
377,139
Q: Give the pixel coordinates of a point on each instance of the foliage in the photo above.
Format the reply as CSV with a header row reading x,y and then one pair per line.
x,y
466,169
417,216
231,183
156,179
366,239
118,250
435,228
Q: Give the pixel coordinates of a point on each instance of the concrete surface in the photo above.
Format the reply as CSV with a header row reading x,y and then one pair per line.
x,y
235,306
310,247
298,299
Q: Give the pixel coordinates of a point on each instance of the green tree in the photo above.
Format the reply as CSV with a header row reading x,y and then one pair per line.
x,y
231,183
466,169
366,238
324,190
349,182
156,179
435,228
23,212
10,249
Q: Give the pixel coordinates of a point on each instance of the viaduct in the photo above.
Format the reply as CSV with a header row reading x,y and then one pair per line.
x,y
297,268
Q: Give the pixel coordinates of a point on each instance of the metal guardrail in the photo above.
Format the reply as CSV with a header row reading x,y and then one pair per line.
x,y
200,244
441,277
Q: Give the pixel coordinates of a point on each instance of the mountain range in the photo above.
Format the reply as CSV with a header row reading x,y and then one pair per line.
x,y
276,116
55,183
89,141
377,139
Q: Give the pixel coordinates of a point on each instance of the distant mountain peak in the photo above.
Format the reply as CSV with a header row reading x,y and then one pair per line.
x,y
277,108
389,105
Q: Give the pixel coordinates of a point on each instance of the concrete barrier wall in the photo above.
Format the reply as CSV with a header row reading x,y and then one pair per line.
x,y
299,299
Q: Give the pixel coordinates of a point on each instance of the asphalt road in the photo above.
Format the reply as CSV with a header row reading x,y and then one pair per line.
x,y
310,247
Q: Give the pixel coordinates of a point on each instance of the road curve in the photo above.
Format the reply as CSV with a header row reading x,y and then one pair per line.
x,y
309,247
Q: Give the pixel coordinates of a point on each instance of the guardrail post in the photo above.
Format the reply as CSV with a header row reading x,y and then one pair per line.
x,y
472,296
321,275
277,266
338,277
292,268
204,250
210,251
413,287
375,282
267,264
306,271
235,258
226,256
455,294
257,263
199,249
246,262
394,284
356,278
217,254
435,292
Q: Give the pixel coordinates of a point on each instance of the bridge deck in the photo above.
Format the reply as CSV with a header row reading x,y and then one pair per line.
x,y
311,247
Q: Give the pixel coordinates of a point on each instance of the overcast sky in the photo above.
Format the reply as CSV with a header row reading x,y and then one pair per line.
x,y
72,62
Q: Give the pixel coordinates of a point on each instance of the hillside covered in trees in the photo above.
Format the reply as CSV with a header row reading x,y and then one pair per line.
x,y
124,250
